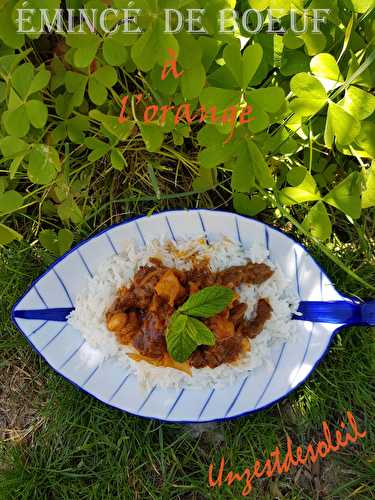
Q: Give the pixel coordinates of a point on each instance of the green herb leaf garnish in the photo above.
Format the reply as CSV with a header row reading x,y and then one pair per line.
x,y
185,331
185,334
208,302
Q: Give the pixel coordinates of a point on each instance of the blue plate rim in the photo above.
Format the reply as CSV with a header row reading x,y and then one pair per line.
x,y
133,219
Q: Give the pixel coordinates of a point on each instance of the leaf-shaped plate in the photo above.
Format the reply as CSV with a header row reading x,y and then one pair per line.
x,y
63,347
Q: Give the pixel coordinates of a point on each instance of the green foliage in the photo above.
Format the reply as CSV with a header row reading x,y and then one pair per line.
x,y
22,111
10,201
57,244
270,117
7,235
317,222
368,196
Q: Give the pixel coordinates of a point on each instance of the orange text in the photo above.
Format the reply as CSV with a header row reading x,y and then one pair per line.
x,y
275,464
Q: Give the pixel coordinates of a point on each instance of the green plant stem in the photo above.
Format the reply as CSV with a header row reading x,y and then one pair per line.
x,y
321,247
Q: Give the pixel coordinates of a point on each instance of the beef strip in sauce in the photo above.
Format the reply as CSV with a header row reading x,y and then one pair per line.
x,y
252,328
141,312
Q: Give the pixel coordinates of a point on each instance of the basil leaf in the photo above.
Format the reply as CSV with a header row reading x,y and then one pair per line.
x,y
208,302
185,334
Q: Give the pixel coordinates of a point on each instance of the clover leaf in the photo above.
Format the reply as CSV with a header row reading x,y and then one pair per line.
x,y
98,83
10,201
358,103
317,222
341,126
265,102
310,95
243,66
153,46
23,112
58,244
307,190
346,196
43,164
249,205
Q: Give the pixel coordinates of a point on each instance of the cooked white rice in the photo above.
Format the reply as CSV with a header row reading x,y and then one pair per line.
x,y
100,292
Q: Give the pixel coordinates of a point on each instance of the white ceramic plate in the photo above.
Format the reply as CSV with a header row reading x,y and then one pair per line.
x,y
64,348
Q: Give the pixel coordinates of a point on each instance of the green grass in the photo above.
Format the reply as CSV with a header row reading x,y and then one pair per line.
x,y
58,443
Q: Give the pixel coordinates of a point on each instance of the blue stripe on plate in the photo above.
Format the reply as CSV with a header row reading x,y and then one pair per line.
x,y
45,304
140,233
119,387
237,396
267,237
238,230
147,398
55,337
111,243
40,296
85,263
63,285
90,376
71,356
170,227
175,403
203,227
201,220
206,403
37,329
271,377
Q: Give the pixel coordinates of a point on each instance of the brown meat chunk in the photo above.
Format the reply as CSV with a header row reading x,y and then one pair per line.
x,y
198,359
193,287
126,333
257,273
151,345
250,273
156,303
237,313
125,300
226,351
154,323
181,275
252,328
201,277
144,284
144,275
150,340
